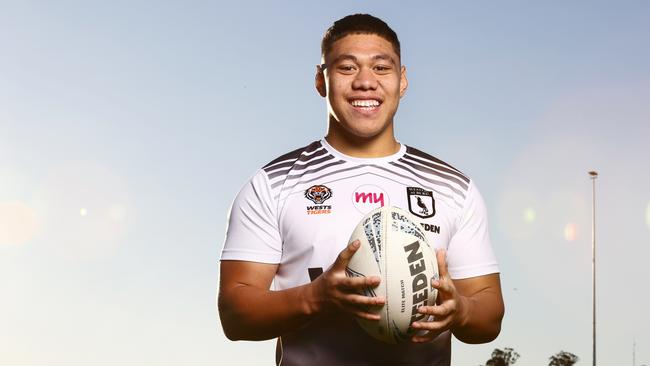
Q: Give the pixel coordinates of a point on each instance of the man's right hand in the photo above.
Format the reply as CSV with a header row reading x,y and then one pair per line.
x,y
335,290
249,310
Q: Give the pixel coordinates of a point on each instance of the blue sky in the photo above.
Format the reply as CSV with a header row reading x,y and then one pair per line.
x,y
126,128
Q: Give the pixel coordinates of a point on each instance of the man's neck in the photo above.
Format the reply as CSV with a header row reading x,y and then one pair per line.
x,y
380,145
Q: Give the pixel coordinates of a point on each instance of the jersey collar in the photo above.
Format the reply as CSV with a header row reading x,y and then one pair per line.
x,y
383,159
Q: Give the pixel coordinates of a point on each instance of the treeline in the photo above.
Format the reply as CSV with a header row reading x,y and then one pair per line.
x,y
508,356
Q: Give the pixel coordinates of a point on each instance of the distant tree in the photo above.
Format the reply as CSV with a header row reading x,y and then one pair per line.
x,y
504,357
563,358
496,362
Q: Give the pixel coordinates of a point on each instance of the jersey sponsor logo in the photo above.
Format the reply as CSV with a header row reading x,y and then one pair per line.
x,y
421,202
419,283
431,228
370,197
318,194
319,210
367,197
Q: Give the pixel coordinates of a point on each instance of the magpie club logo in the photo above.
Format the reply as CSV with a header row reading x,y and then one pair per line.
x,y
421,202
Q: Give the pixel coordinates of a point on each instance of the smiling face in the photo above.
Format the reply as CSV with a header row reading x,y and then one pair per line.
x,y
363,83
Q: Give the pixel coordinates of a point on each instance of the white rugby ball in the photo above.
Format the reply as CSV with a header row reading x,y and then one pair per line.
x,y
394,248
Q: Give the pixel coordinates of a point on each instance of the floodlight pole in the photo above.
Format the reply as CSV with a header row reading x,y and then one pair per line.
x,y
593,175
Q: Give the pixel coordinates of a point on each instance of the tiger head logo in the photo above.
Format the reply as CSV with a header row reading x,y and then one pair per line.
x,y
318,194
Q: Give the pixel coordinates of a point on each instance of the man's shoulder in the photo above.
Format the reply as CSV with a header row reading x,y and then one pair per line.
x,y
291,157
298,163
435,164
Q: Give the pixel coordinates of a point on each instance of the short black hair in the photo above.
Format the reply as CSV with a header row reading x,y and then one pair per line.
x,y
359,24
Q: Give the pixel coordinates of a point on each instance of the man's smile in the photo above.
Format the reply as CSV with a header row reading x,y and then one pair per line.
x,y
365,105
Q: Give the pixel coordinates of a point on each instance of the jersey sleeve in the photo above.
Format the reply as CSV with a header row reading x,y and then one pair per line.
x,y
470,253
252,233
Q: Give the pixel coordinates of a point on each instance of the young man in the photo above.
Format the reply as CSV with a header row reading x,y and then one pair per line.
x,y
290,224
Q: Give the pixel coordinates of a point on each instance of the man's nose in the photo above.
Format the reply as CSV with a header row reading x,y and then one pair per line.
x,y
365,80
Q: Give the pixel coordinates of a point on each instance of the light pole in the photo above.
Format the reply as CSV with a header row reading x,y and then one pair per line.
x,y
593,175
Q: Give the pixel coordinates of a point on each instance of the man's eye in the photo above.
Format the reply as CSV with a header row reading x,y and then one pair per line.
x,y
382,68
347,68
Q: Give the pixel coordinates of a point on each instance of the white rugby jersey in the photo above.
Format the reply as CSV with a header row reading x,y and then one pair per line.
x,y
299,211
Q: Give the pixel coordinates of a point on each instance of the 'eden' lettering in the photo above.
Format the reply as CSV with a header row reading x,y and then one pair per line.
x,y
419,280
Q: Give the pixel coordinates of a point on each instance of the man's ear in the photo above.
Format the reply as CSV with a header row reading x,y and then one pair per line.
x,y
320,81
403,82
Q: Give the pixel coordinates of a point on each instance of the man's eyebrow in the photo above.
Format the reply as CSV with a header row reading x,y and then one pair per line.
x,y
384,56
347,56
344,56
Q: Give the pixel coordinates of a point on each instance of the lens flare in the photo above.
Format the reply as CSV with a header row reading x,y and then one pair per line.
x,y
117,212
529,214
18,223
83,208
570,232
517,214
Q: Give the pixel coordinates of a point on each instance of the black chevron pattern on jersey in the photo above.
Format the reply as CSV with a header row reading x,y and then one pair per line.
x,y
352,171
434,172
310,161
287,164
434,163
289,158
412,178
319,177
314,162
306,172
432,181
299,163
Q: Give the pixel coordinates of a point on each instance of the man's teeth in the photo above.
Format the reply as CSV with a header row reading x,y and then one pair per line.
x,y
365,103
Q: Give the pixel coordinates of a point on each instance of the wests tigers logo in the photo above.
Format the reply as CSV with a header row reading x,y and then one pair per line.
x,y
318,194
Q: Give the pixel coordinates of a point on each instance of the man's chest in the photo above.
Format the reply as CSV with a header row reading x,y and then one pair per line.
x,y
317,219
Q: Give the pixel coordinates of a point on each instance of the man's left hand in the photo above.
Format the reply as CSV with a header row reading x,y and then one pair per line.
x,y
450,306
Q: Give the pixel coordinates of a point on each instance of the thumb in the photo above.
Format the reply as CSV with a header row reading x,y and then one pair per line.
x,y
441,257
344,257
443,284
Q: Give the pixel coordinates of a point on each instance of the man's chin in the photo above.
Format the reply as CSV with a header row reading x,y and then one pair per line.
x,y
366,134
360,129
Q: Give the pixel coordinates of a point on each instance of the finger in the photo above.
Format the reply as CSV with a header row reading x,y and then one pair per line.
x,y
366,315
345,255
360,300
443,285
437,325
437,311
360,283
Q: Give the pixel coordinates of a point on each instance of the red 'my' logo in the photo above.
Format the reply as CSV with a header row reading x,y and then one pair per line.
x,y
369,197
